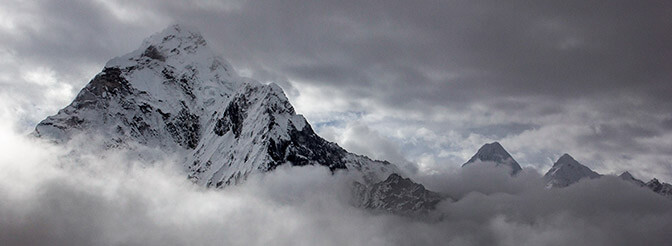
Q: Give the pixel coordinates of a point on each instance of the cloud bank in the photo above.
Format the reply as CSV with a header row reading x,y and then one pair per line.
x,y
50,197
427,82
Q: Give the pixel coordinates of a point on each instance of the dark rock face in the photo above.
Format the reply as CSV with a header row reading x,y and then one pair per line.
x,y
234,115
153,53
306,147
108,87
398,194
185,129
656,186
108,83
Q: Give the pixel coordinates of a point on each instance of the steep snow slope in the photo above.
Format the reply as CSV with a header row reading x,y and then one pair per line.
x,y
567,171
494,152
258,130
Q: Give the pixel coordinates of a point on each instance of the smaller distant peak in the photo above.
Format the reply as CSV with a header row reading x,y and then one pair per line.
x,y
627,176
566,158
494,152
492,147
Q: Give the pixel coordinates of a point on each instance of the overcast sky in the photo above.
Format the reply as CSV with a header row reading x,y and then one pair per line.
x,y
425,82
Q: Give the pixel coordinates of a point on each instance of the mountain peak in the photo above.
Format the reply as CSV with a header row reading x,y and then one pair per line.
x,y
493,145
175,34
568,160
656,186
399,194
566,171
177,46
627,176
494,152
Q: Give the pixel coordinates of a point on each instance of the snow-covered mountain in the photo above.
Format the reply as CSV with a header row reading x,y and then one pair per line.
x,y
174,94
567,171
494,152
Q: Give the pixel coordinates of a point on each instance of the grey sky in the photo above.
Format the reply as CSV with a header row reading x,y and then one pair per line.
x,y
431,80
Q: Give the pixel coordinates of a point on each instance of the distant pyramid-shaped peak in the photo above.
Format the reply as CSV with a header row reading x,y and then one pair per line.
x,y
566,159
626,175
494,152
566,171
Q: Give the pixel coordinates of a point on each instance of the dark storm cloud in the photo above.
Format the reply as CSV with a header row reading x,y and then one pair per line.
x,y
500,131
464,66
616,137
479,48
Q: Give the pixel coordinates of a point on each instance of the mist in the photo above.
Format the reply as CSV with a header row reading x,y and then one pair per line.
x,y
59,195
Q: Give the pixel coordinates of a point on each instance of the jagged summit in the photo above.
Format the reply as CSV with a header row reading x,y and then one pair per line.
x,y
160,95
397,193
175,44
494,152
566,171
656,186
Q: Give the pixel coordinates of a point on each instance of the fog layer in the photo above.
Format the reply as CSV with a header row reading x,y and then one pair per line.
x,y
49,198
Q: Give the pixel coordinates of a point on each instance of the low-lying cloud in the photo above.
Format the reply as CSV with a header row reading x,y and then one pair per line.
x,y
49,198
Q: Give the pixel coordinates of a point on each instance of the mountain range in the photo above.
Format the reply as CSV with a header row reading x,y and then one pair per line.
x,y
564,172
176,95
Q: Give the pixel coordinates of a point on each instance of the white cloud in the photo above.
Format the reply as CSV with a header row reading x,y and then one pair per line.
x,y
52,199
